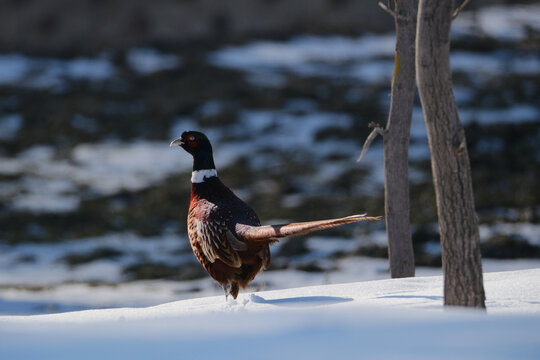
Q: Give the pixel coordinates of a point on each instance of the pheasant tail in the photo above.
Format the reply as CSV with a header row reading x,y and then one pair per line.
x,y
266,232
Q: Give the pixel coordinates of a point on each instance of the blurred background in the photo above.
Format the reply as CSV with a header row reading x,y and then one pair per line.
x,y
93,202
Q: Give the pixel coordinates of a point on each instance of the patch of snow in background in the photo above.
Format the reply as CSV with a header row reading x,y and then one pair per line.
x,y
210,108
46,267
303,49
373,72
51,184
13,67
463,94
367,58
39,202
518,113
84,69
504,23
105,168
109,167
529,232
43,195
147,61
10,125
329,56
28,158
291,130
494,64
44,73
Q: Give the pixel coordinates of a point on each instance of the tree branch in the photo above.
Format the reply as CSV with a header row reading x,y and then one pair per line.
x,y
377,130
459,8
394,14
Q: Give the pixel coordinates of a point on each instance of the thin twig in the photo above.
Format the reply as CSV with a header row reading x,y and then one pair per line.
x,y
393,13
459,8
377,130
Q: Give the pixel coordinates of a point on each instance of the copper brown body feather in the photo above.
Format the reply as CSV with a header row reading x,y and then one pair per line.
x,y
213,217
228,239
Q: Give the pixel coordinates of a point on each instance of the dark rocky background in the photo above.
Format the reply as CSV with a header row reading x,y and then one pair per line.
x,y
67,28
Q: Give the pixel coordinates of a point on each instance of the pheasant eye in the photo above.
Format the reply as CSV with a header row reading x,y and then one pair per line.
x,y
192,141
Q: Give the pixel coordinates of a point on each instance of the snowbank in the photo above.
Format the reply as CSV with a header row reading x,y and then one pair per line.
x,y
396,318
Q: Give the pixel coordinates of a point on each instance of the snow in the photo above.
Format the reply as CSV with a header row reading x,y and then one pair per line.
x,y
518,113
46,202
46,269
307,56
294,53
529,232
353,320
105,168
515,114
110,166
373,72
289,129
385,319
10,125
505,23
45,73
369,58
50,73
208,109
146,61
493,64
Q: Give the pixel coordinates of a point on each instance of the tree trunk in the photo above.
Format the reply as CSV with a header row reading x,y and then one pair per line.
x,y
462,266
396,143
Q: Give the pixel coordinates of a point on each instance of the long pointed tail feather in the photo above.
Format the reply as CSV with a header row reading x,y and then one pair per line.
x,y
266,232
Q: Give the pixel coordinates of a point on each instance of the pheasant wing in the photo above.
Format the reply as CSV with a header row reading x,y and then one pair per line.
x,y
218,242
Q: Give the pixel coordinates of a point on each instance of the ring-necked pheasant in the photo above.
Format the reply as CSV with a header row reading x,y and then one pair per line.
x,y
224,232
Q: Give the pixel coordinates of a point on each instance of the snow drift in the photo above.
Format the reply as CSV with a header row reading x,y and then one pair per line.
x,y
395,318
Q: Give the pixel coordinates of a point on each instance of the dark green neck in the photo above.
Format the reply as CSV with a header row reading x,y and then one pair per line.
x,y
203,160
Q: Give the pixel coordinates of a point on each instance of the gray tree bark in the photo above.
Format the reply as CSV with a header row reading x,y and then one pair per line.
x,y
462,266
396,142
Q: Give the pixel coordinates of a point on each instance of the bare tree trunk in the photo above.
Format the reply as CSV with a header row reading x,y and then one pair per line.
x,y
396,143
460,243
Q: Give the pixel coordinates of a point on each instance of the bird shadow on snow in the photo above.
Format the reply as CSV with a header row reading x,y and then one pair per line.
x,y
300,300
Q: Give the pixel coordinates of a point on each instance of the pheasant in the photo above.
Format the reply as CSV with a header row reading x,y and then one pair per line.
x,y
224,232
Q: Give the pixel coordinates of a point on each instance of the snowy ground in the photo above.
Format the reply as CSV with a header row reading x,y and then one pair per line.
x,y
386,319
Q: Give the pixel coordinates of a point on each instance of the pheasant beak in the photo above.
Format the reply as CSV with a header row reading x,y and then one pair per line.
x,y
177,142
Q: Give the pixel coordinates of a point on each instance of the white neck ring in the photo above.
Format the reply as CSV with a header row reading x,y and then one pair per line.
x,y
198,176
